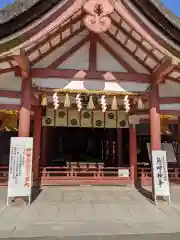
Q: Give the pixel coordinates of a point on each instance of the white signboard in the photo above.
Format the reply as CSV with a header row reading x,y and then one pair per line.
x,y
20,167
123,173
160,174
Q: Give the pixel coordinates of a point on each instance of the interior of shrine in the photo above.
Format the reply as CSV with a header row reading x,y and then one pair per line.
x,y
85,145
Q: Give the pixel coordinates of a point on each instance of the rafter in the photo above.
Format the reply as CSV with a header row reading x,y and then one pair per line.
x,y
67,54
43,55
141,62
54,34
138,43
84,74
164,69
115,55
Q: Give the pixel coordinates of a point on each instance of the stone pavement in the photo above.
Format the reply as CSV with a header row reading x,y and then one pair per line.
x,y
66,212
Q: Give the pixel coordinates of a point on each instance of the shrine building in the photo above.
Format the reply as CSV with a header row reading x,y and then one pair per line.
x,y
96,83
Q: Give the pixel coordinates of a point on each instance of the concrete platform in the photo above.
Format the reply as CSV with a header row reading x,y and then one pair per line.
x,y
87,211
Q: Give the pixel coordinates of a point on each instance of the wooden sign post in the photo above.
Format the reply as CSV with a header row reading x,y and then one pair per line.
x,y
160,175
20,168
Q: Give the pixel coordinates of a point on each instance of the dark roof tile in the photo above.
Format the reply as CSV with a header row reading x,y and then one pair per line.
x,y
14,9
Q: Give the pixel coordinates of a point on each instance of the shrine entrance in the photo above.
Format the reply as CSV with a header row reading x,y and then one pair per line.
x,y
84,147
83,156
74,146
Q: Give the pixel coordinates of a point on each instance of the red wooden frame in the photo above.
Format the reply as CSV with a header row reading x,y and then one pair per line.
x,y
166,67
84,74
93,52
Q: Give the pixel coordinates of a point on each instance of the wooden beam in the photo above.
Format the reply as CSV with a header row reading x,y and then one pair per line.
x,y
93,52
170,112
84,74
67,54
34,100
60,44
10,94
23,62
9,107
7,70
169,100
55,34
16,94
164,69
115,55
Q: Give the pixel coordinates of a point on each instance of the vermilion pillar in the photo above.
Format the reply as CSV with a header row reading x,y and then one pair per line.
x,y
37,141
178,160
119,148
155,125
44,146
133,152
25,110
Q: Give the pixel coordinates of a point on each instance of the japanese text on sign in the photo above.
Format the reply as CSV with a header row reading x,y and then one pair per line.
x,y
160,173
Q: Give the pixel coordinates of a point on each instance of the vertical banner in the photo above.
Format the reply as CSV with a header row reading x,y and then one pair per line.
x,y
20,168
160,174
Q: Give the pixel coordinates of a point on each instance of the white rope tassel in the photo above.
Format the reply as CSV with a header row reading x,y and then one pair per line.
x,y
55,101
78,102
103,103
126,104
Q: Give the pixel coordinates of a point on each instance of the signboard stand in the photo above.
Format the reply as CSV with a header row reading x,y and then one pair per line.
x,y
160,176
20,169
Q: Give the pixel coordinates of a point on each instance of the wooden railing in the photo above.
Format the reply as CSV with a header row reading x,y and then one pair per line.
x,y
145,175
92,174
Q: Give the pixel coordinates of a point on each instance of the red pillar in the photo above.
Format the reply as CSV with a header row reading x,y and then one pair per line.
x,y
25,110
155,125
44,146
119,148
133,152
178,160
37,142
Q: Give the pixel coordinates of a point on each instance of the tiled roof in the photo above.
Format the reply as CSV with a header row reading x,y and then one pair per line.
x,y
175,20
15,9
21,13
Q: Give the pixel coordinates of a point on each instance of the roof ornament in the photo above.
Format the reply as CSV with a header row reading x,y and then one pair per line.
x,y
97,19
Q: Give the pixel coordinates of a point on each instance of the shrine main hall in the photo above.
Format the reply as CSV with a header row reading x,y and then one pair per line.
x,y
96,83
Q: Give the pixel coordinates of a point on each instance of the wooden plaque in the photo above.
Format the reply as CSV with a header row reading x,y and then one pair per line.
x,y
86,119
48,120
73,118
111,119
98,119
61,118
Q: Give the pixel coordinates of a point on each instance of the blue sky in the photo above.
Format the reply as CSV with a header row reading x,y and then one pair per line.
x,y
174,5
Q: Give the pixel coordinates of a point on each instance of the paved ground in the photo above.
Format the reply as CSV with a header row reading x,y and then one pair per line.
x,y
91,212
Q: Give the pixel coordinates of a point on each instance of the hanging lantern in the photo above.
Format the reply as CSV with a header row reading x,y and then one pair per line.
x,y
103,103
114,105
55,101
67,101
78,102
90,105
44,101
140,103
164,125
